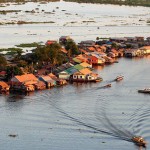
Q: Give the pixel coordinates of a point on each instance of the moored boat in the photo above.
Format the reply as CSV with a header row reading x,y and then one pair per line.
x,y
119,78
139,141
146,90
107,85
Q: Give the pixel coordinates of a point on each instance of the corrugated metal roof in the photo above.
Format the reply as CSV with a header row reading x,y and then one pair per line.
x,y
46,78
78,67
71,70
77,60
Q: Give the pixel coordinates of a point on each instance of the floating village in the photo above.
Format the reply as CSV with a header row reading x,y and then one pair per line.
x,y
78,68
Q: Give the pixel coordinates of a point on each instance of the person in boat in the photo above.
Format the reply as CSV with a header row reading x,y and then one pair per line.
x,y
139,141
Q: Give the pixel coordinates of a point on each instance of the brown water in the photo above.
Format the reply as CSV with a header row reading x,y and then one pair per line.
x,y
81,116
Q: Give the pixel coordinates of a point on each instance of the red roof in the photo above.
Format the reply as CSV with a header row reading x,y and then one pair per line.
x,y
49,42
3,73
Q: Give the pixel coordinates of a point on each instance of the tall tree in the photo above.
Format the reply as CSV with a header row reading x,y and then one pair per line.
x,y
3,61
71,47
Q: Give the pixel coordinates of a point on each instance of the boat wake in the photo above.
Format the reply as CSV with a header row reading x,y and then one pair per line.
x,y
100,124
107,119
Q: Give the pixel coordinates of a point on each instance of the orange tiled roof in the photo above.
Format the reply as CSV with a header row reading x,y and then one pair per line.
x,y
30,82
3,84
85,71
52,76
26,77
84,64
91,48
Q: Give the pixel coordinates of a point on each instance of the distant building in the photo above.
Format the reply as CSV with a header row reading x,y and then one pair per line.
x,y
64,39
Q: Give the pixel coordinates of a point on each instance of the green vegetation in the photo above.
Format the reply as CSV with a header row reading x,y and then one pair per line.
x,y
51,53
3,61
4,12
23,1
71,47
34,44
116,2
12,71
10,51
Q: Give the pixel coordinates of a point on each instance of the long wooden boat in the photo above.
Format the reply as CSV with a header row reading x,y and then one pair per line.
x,y
107,85
144,91
139,141
119,78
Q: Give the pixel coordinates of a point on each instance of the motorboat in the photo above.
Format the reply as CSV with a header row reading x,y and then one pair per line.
x,y
118,78
139,141
147,90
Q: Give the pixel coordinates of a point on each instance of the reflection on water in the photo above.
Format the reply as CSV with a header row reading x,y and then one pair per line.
x,y
81,114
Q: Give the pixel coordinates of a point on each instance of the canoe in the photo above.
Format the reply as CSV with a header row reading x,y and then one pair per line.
x,y
144,91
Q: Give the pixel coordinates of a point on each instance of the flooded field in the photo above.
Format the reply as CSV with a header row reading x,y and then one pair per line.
x,y
80,21
81,116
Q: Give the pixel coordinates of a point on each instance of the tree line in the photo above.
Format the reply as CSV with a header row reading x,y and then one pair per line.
x,y
115,2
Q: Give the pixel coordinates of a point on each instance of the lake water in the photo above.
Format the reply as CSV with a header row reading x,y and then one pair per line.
x,y
81,116
80,21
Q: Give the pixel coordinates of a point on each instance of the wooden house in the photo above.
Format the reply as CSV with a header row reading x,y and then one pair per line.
x,y
2,75
96,60
139,38
85,75
48,81
148,39
133,52
86,43
78,77
86,65
59,81
40,85
64,75
145,49
23,82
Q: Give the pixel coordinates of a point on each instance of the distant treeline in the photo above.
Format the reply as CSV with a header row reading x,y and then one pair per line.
x,y
18,1
116,2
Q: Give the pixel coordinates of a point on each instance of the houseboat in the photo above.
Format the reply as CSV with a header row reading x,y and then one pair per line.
x,y
139,141
119,78
144,91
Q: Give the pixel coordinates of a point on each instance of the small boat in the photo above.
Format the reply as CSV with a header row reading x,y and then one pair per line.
x,y
139,141
118,78
144,91
108,85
